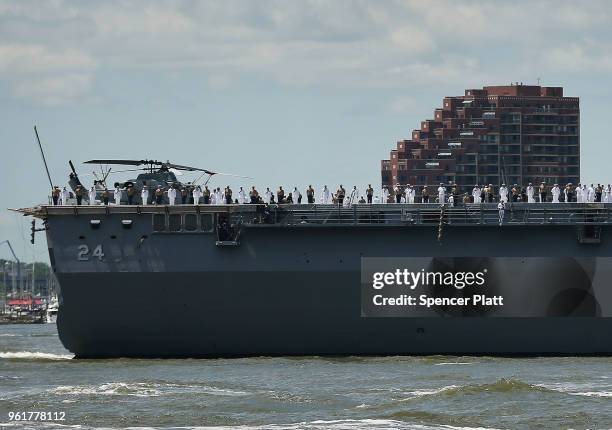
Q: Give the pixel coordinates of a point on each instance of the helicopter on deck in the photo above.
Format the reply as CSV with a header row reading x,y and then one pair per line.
x,y
154,173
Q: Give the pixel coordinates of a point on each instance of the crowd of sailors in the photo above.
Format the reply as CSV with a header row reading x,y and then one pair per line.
x,y
398,194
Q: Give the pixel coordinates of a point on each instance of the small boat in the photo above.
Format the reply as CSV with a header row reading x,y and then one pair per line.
x,y
52,308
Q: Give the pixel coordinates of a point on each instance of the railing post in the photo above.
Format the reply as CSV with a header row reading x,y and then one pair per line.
x,y
354,214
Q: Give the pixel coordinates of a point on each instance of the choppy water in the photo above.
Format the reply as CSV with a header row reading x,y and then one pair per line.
x,y
37,374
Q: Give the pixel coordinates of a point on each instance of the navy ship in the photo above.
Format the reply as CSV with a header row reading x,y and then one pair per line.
x,y
314,279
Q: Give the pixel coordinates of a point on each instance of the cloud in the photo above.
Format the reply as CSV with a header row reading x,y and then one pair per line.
x,y
413,40
54,90
47,77
133,19
585,56
403,105
394,44
36,59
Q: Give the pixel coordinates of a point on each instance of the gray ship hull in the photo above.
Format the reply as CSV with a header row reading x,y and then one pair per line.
x,y
298,289
156,316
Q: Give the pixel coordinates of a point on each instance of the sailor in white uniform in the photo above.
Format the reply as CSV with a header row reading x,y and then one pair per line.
x,y
242,196
117,195
92,196
297,196
326,195
441,194
376,200
410,193
220,196
172,196
213,196
607,194
530,192
65,195
354,197
476,193
268,196
591,194
501,208
144,195
503,193
556,192
385,195
197,193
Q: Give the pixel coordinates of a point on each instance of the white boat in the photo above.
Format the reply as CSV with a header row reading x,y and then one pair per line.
x,y
52,308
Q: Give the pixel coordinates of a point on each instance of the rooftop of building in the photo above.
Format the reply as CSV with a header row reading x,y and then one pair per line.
x,y
515,89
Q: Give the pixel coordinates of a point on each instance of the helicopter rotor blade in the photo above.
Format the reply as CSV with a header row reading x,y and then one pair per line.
x,y
126,170
188,168
167,165
124,162
235,176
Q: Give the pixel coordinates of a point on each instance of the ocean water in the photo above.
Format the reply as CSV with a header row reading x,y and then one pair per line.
x,y
37,374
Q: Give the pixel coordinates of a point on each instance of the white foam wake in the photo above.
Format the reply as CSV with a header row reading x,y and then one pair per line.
x,y
110,389
29,355
453,363
140,389
429,392
586,390
592,393
347,424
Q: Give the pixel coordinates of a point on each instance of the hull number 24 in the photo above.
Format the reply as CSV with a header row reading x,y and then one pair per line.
x,y
84,253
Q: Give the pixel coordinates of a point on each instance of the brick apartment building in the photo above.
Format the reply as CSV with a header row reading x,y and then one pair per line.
x,y
514,134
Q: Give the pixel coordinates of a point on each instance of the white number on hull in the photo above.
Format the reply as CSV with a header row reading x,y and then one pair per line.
x,y
83,251
97,252
83,254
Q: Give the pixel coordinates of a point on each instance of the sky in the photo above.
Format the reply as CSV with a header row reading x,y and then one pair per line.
x,y
290,93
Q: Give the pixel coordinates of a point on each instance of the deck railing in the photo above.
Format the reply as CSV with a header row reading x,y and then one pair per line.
x,y
362,214
470,214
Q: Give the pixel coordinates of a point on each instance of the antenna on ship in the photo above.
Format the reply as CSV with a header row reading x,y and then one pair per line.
x,y
42,153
